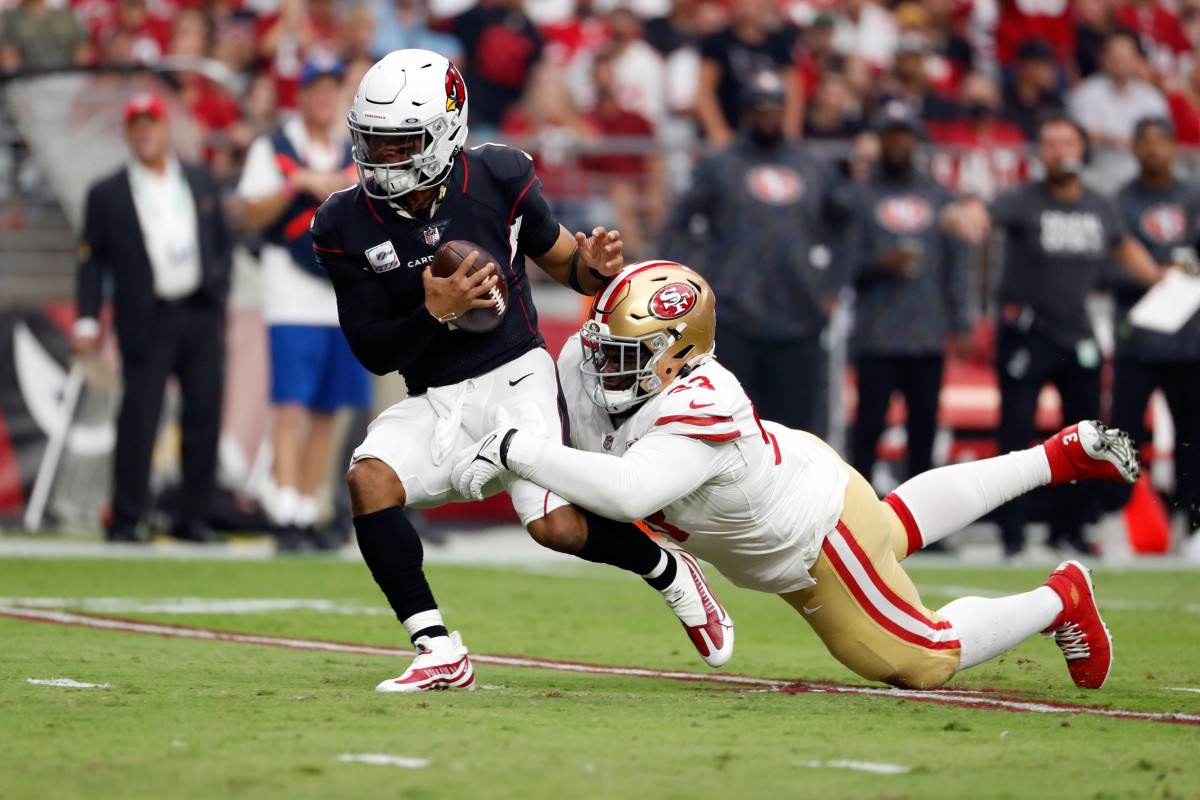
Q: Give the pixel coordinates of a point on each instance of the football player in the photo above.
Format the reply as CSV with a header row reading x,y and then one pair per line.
x,y
417,187
673,440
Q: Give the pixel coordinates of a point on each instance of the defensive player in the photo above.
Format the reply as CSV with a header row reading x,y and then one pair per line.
x,y
674,440
417,187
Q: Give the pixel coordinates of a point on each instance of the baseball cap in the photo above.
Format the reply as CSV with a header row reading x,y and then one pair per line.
x,y
1034,49
896,116
765,90
145,104
321,67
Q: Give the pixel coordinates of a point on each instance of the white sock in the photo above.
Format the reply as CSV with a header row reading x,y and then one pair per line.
x,y
988,627
306,511
945,500
282,506
422,620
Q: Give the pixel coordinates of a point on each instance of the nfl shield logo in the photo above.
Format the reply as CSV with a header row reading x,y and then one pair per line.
x,y
433,235
608,441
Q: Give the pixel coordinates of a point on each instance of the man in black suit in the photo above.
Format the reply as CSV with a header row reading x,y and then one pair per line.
x,y
156,229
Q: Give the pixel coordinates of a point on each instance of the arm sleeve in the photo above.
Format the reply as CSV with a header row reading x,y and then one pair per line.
x,y
92,252
655,472
380,341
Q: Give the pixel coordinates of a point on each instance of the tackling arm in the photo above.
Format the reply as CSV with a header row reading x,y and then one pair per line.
x,y
583,263
654,473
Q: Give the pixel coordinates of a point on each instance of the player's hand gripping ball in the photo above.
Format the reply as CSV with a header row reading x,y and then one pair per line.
x,y
448,259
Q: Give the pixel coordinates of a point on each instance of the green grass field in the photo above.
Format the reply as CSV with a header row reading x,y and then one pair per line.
x,y
210,719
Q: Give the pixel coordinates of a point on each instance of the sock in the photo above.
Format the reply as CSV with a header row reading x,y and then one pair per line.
x,y
987,627
664,574
945,500
619,544
425,623
281,507
306,511
393,552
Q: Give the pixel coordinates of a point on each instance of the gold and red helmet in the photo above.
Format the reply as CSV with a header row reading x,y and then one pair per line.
x,y
652,323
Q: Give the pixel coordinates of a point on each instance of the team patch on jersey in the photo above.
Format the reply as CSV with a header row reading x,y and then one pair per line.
x,y
382,257
608,441
1164,223
906,213
673,301
775,184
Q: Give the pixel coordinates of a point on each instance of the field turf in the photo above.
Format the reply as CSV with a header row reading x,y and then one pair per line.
x,y
186,718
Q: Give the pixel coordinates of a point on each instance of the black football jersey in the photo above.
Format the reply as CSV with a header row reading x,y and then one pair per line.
x,y
375,257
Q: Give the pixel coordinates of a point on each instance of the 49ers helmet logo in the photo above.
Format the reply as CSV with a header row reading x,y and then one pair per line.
x,y
456,90
673,301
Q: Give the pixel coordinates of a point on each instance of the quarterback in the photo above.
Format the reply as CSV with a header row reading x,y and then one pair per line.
x,y
419,186
665,434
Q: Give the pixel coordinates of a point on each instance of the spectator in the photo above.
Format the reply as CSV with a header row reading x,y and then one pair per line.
x,y
630,178
287,175
835,112
1033,94
1160,32
149,35
866,30
762,222
502,46
986,153
156,229
911,295
1059,235
404,24
978,122
815,55
35,36
581,32
947,57
1020,21
732,59
1096,20
635,68
1162,213
908,82
1110,103
297,32
357,34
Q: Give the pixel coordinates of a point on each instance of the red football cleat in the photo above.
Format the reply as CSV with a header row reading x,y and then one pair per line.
x,y
441,663
1079,631
707,623
1089,450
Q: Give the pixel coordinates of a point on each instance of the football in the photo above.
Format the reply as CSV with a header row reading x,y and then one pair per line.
x,y
448,259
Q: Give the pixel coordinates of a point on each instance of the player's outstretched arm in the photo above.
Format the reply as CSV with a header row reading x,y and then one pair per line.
x,y
654,473
583,263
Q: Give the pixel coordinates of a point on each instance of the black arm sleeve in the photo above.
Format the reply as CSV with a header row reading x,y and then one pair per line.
x,y
379,340
92,252
540,229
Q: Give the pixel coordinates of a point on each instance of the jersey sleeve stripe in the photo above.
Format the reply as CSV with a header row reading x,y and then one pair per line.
x,y
715,437
329,249
688,419
466,171
513,214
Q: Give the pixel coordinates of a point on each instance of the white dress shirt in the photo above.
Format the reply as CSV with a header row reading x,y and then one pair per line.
x,y
166,213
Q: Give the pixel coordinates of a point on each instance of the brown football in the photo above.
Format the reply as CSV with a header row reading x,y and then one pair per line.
x,y
448,259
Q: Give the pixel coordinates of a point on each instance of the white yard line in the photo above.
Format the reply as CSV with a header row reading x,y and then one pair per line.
x,y
858,766
383,759
67,683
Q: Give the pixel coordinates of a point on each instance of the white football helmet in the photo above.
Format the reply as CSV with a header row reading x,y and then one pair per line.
x,y
408,93
653,323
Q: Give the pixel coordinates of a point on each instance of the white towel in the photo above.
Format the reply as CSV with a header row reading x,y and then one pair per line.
x,y
447,402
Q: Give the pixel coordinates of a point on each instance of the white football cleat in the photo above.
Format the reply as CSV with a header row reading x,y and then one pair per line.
x,y
1089,450
707,623
441,663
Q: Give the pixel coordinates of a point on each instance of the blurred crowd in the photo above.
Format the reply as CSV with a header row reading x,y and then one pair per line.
x,y
660,74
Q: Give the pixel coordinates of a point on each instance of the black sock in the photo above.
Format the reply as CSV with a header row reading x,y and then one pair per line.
x,y
624,545
393,552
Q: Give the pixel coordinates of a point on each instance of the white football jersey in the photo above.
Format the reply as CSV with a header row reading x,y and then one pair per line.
x,y
775,495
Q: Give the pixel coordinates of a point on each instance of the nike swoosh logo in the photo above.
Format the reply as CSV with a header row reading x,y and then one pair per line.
x,y
810,611
518,380
694,404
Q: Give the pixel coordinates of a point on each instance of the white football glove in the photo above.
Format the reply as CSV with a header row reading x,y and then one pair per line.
x,y
482,462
